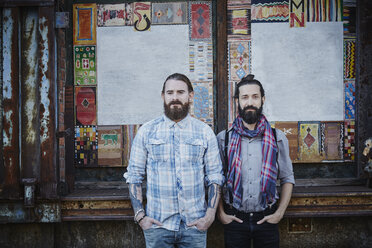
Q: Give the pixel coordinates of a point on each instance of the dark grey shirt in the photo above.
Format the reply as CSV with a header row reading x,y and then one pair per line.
x,y
251,152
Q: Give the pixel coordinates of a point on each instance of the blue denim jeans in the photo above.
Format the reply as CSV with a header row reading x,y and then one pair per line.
x,y
163,238
240,235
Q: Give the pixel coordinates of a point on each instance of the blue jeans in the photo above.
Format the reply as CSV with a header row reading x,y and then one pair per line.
x,y
163,238
239,235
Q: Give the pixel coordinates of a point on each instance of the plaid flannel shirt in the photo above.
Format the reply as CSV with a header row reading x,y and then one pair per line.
x,y
179,160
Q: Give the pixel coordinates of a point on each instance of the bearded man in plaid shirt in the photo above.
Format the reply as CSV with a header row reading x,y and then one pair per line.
x,y
179,157
254,156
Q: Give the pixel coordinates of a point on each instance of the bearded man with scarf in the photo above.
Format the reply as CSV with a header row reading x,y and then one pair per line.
x,y
255,156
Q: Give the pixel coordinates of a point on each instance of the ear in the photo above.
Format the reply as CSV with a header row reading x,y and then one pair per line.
x,y
162,96
191,96
263,100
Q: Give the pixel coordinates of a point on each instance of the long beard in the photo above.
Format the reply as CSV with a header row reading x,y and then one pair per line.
x,y
176,113
250,117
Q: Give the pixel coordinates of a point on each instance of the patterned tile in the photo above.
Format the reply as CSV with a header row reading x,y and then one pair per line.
x,y
115,14
85,106
85,23
85,70
200,15
238,19
290,129
323,11
169,13
142,16
332,135
309,141
110,146
349,100
202,107
239,59
86,146
349,140
200,60
270,11
349,58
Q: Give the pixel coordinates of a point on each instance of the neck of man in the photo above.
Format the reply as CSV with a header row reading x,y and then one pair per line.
x,y
250,126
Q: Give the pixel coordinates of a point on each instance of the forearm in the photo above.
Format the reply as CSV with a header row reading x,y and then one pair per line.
x,y
214,193
285,197
135,193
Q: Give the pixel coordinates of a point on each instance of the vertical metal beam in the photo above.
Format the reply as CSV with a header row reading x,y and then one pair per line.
x,y
221,66
9,183
48,165
364,79
30,128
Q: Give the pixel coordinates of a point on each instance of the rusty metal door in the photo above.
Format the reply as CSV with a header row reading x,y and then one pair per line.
x,y
28,102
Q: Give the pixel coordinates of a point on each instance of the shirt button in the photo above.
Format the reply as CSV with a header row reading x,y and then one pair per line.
x,y
250,196
250,168
250,154
250,182
251,214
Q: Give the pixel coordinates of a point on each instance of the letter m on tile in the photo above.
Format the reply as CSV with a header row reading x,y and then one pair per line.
x,y
297,13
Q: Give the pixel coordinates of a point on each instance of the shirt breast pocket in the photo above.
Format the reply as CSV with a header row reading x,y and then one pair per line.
x,y
159,150
194,150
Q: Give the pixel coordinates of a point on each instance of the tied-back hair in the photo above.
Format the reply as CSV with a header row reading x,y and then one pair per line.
x,y
248,80
181,77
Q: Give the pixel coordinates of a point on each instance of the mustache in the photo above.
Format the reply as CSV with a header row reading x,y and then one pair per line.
x,y
175,102
250,107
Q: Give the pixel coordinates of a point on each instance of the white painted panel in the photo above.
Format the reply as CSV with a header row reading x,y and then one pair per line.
x,y
132,67
301,70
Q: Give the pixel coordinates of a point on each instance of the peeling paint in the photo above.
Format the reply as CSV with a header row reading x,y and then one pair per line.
x,y
30,70
7,134
45,82
7,56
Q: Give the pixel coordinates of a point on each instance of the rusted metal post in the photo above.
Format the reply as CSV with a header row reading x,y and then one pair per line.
x,y
30,100
10,187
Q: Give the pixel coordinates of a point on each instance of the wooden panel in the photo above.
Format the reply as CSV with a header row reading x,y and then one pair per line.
x,y
221,66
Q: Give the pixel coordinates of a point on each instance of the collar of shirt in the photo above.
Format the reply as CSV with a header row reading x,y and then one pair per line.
x,y
181,124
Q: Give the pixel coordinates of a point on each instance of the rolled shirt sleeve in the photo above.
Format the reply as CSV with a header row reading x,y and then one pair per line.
x,y
212,161
137,162
284,161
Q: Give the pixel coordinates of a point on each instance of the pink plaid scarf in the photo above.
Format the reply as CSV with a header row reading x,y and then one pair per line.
x,y
269,170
